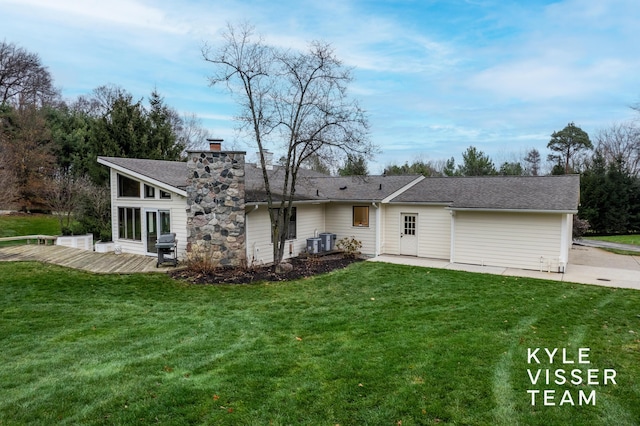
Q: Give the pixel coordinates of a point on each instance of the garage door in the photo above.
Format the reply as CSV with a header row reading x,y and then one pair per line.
x,y
514,240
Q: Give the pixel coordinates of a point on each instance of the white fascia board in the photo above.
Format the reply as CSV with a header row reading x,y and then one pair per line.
x,y
144,178
264,203
421,203
403,189
468,209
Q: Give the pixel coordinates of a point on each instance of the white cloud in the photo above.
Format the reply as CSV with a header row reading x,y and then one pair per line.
x,y
120,12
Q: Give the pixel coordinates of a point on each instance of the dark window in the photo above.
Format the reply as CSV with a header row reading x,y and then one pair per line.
x,y
360,215
409,225
291,226
165,195
149,192
129,223
128,187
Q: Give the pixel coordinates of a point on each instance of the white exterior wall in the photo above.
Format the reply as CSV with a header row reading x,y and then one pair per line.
x,y
176,205
514,240
433,230
309,222
339,221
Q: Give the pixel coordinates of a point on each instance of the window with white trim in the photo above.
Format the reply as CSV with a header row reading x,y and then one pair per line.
x,y
361,216
129,223
149,191
128,187
291,225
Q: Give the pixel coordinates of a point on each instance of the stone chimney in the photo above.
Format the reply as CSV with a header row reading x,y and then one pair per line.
x,y
215,144
215,206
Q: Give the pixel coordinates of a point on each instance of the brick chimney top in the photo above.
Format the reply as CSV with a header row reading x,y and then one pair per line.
x,y
215,144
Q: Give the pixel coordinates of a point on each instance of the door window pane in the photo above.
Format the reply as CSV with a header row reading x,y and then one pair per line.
x,y
165,222
409,225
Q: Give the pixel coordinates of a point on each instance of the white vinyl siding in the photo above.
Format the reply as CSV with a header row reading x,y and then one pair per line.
x,y
176,206
513,240
309,222
339,221
434,230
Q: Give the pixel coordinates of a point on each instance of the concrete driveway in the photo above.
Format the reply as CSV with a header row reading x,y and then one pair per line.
x,y
587,265
591,265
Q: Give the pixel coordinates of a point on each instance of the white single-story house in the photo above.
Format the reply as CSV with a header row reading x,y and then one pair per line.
x,y
217,201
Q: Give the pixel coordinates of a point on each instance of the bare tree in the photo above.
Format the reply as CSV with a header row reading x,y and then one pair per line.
x,y
621,142
294,101
8,185
190,132
23,78
25,145
63,193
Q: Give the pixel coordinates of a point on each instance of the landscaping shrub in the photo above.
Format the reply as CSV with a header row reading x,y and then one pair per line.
x,y
349,246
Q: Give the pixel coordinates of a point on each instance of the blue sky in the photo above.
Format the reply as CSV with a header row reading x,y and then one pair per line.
x,y
435,76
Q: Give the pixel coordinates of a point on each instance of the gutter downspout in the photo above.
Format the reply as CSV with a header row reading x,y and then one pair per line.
x,y
378,226
565,242
452,249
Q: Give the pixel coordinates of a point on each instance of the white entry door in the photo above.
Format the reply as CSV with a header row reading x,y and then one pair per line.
x,y
409,234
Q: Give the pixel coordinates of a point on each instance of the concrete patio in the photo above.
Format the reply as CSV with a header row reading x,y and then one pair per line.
x,y
587,265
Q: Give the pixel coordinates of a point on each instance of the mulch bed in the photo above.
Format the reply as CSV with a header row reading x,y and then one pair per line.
x,y
301,268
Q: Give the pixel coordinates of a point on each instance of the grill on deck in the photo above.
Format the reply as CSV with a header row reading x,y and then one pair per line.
x,y
166,247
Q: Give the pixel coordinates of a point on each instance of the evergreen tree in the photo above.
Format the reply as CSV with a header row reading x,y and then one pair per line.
x,y
511,169
356,165
475,163
418,167
70,134
566,143
533,162
163,142
450,167
609,197
593,193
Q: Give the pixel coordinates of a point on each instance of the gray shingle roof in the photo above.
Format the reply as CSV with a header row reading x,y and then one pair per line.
x,y
548,193
361,188
317,186
173,173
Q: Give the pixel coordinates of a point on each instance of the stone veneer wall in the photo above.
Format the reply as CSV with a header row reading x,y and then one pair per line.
x,y
215,206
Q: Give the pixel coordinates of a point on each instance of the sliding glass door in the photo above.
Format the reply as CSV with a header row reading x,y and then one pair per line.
x,y
158,222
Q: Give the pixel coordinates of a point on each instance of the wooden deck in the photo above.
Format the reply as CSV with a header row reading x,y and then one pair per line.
x,y
102,263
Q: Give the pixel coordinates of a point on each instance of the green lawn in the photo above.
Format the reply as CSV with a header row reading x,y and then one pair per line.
x,y
33,224
623,239
373,344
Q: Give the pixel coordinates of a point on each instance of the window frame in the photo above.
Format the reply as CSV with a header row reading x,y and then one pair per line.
x,y
359,224
165,195
121,187
293,221
127,231
149,191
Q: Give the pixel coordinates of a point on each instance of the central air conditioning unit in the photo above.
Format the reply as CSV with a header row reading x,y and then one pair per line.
x,y
314,245
328,241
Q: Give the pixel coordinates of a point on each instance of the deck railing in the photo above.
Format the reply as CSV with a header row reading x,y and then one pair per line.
x,y
41,239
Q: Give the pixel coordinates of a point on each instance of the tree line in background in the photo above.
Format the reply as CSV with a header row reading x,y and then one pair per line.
x,y
49,146
609,169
